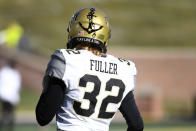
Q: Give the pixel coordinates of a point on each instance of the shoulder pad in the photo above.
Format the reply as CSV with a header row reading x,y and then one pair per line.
x,y
133,68
129,63
56,65
70,51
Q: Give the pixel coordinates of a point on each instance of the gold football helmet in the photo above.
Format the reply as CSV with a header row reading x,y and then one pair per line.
x,y
89,25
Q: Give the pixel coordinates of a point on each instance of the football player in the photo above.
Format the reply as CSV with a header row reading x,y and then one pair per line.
x,y
83,86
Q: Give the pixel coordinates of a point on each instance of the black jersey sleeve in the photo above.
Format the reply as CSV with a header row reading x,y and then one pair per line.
x,y
50,100
131,113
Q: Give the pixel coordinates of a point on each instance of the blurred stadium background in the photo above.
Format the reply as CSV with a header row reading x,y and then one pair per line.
x,y
158,35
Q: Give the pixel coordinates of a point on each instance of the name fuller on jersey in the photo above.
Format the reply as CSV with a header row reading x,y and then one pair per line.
x,y
104,67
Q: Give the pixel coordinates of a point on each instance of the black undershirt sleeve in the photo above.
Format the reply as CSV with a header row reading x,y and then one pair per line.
x,y
50,100
131,113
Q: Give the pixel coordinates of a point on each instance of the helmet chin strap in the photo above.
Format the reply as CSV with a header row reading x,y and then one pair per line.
x,y
104,50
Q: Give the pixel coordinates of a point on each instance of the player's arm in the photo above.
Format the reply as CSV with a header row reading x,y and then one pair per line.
x,y
50,100
131,113
128,106
53,89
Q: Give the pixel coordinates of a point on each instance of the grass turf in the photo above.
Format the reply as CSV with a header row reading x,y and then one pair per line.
x,y
179,126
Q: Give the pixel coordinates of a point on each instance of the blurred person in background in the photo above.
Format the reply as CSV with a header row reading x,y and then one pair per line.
x,y
10,85
13,37
83,85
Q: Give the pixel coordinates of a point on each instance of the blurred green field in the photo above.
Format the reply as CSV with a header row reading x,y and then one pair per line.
x,y
140,23
29,99
122,127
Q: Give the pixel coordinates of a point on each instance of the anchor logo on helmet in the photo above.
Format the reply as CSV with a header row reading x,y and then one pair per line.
x,y
91,27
